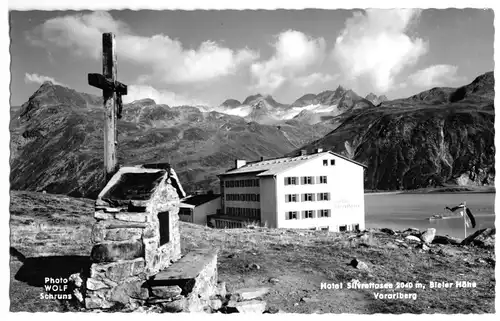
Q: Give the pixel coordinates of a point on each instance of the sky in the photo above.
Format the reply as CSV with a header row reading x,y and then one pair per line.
x,y
205,57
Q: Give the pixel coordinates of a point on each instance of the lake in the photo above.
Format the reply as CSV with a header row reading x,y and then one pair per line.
x,y
401,211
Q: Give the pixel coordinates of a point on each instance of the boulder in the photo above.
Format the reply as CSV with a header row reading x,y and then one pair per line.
x,y
484,238
428,235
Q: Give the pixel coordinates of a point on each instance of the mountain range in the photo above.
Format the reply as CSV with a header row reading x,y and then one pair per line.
x,y
440,136
310,108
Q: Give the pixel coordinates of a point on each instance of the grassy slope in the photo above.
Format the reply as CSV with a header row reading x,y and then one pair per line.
x,y
55,225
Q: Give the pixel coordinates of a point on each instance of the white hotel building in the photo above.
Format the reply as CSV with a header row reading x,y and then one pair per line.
x,y
322,190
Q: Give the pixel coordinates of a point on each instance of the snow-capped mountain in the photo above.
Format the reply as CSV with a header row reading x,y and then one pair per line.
x,y
312,108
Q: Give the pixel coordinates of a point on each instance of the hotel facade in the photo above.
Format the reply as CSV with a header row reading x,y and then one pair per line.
x,y
322,190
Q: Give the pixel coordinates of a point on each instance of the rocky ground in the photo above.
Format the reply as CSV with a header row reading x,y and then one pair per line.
x,y
280,270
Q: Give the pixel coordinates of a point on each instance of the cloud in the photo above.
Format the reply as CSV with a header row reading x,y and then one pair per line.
x,y
166,58
294,53
317,77
375,45
436,75
136,92
40,79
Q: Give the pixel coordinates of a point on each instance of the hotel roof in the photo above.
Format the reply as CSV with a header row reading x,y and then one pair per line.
x,y
276,166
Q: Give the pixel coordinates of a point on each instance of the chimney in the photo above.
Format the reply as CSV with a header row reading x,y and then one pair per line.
x,y
239,163
318,150
303,152
261,158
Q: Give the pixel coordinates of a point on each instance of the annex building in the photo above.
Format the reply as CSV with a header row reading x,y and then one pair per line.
x,y
321,190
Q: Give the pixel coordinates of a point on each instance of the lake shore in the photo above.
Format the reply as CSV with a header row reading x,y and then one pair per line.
x,y
435,190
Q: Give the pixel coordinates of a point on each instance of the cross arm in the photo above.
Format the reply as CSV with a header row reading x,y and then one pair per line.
x,y
99,81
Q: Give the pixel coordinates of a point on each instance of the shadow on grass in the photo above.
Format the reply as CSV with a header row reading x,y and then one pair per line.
x,y
35,269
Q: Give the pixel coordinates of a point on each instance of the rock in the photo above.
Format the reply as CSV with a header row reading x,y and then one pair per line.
x,y
481,260
272,310
439,239
76,279
446,252
166,291
412,238
253,266
93,284
175,306
95,302
252,306
251,293
428,235
124,292
388,231
309,300
117,271
112,252
484,238
423,247
131,217
78,295
103,216
391,245
412,230
215,304
273,280
360,265
123,234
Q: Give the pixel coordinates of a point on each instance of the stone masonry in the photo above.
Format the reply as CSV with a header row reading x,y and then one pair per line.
x,y
136,235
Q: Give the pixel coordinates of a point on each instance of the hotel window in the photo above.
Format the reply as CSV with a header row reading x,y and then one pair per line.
x,y
308,214
290,198
256,182
324,213
322,180
231,184
258,197
309,197
332,162
323,196
325,162
291,215
226,184
291,181
307,180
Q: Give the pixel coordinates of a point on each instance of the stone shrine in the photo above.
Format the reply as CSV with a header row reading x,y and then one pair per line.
x,y
136,236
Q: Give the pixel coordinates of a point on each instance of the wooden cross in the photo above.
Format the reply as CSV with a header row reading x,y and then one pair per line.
x,y
112,90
